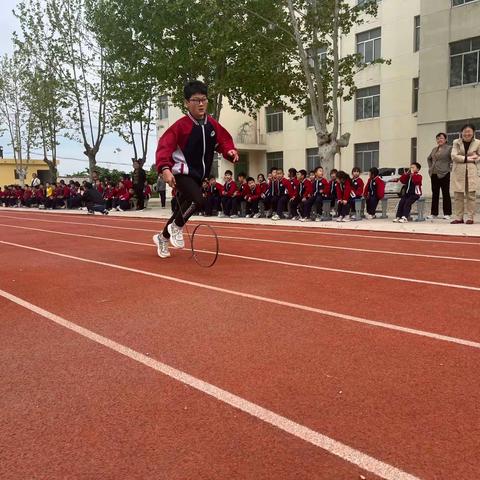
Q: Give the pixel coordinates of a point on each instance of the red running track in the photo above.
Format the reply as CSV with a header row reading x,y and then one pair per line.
x,y
401,398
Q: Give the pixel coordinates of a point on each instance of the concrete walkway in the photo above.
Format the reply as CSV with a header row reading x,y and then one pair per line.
x,y
434,227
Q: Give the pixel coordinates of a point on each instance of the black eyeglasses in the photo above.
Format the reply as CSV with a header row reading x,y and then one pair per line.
x,y
199,101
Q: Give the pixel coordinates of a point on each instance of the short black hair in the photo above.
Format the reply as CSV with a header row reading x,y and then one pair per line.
x,y
419,167
292,171
311,171
333,170
88,185
441,134
272,169
212,177
356,169
341,175
228,172
193,87
374,171
250,179
468,125
318,168
303,172
242,174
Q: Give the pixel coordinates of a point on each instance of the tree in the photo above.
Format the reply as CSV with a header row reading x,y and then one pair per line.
x,y
58,34
317,26
226,43
14,114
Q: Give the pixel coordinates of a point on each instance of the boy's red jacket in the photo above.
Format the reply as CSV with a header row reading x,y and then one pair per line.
x,y
123,194
187,147
343,190
147,191
413,182
229,188
215,190
321,186
263,188
281,187
27,194
305,188
244,189
295,184
254,194
357,187
39,194
375,187
109,193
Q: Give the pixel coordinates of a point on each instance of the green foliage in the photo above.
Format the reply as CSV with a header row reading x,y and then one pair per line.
x,y
152,175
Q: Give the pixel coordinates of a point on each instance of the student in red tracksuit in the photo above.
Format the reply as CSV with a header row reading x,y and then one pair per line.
x,y
282,193
27,195
413,191
108,195
304,192
294,182
147,193
229,189
185,156
214,196
1,197
239,195
358,188
344,189
252,197
262,183
374,192
39,196
321,191
123,198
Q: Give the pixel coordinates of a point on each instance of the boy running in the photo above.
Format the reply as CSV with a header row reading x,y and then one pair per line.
x,y
184,157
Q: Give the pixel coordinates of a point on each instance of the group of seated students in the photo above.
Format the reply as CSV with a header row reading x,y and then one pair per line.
x,y
301,195
98,196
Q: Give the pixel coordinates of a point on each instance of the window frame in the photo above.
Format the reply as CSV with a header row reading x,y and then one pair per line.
x,y
274,162
369,149
273,119
416,33
310,156
163,107
363,99
415,93
371,40
464,2
462,55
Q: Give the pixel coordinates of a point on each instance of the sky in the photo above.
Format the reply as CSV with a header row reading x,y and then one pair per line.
x,y
113,149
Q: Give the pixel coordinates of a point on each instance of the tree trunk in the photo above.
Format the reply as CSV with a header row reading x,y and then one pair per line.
x,y
326,152
52,169
92,163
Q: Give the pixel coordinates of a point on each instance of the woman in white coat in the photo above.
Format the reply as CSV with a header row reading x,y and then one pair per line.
x,y
464,181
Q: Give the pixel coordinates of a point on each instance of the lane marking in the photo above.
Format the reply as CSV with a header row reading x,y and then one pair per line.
x,y
282,242
296,306
328,444
274,228
264,260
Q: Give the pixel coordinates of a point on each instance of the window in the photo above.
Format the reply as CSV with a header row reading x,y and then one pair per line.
x,y
369,45
321,54
309,120
367,155
453,128
416,33
163,107
415,88
413,150
363,2
464,60
274,119
312,158
215,165
274,159
456,3
367,103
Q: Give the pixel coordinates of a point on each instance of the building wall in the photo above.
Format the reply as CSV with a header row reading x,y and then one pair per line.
x,y
7,171
438,102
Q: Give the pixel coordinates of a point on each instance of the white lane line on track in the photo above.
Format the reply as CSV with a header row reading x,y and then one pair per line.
x,y
264,260
328,444
262,240
301,229
296,306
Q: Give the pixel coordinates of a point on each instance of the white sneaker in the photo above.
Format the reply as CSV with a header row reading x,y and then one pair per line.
x,y
396,220
403,220
447,217
275,217
431,217
221,215
257,215
318,219
340,219
248,215
233,216
369,217
176,235
346,219
162,245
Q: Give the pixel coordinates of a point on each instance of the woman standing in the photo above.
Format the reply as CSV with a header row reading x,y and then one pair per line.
x,y
439,167
465,180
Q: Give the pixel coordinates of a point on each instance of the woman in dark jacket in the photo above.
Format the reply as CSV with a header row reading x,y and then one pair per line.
x,y
439,167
